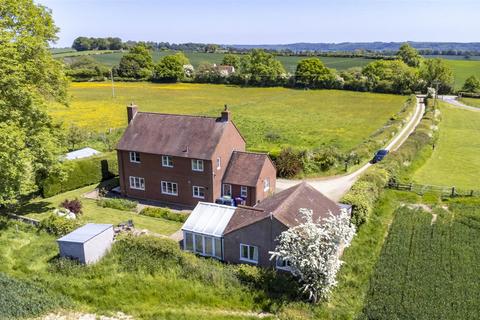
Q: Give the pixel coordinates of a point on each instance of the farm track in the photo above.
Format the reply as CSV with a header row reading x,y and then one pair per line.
x,y
335,187
452,100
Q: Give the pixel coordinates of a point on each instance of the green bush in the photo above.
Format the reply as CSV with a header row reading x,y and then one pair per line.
x,y
164,213
58,226
119,204
289,162
80,173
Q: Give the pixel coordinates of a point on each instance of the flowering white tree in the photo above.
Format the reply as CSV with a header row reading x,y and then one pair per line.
x,y
313,250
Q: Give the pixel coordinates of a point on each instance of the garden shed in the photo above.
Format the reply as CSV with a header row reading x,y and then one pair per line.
x,y
87,244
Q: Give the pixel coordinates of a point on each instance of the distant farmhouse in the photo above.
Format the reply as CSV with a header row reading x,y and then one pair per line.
x,y
247,234
183,159
224,70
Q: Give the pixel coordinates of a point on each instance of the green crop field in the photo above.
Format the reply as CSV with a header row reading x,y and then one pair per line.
x,y
428,268
269,118
455,160
462,69
473,102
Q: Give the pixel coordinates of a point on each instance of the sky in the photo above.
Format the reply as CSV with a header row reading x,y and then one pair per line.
x,y
267,21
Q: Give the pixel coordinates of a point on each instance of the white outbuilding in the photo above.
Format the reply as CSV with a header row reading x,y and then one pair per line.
x,y
81,153
87,244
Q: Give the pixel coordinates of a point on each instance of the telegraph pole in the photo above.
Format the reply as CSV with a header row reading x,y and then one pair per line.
x,y
113,85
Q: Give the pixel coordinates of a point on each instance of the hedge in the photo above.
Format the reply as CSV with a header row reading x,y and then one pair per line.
x,y
164,213
118,203
368,188
80,173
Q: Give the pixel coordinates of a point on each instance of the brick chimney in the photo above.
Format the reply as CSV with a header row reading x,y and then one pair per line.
x,y
226,115
131,112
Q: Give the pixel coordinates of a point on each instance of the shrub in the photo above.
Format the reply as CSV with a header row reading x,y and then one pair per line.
x,y
58,226
80,173
289,163
362,205
146,253
74,205
119,204
164,213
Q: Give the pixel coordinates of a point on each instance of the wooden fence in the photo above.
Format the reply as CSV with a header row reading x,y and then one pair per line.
x,y
443,191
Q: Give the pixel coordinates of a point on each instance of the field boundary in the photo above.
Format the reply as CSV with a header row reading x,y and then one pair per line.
x,y
443,191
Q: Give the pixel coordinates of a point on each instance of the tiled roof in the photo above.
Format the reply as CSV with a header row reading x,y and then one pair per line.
x,y
175,135
244,168
284,206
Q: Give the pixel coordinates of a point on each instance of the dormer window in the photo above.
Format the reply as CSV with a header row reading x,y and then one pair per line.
x,y
134,157
197,165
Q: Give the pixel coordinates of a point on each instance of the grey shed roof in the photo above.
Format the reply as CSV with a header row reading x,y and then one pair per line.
x,y
85,233
81,153
209,219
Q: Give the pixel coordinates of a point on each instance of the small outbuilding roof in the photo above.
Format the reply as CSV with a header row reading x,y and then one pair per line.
x,y
81,153
209,219
85,233
244,168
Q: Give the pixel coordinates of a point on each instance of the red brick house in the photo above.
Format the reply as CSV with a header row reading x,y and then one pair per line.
x,y
247,234
183,159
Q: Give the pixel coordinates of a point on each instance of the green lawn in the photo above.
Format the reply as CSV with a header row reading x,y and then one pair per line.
x,y
456,158
40,208
428,270
304,119
471,102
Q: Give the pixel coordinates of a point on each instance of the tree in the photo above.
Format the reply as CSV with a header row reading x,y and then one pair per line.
x,y
82,44
409,55
392,76
312,73
436,72
261,68
75,136
231,60
472,84
312,250
30,143
137,63
170,68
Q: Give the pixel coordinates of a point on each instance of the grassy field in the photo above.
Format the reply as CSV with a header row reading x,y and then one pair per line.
x,y
40,208
462,69
455,160
304,119
428,269
196,58
473,102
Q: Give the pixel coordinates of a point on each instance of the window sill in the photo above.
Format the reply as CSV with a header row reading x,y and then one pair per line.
x,y
198,197
137,189
170,194
249,261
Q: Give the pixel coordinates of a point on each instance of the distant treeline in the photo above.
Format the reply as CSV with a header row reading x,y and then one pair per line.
x,y
374,50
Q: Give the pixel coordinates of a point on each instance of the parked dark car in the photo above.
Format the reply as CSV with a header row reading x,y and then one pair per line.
x,y
379,156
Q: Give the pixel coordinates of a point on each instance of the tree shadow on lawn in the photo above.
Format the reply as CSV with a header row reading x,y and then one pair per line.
x,y
34,207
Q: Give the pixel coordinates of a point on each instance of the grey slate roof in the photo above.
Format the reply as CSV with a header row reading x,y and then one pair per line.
x,y
85,233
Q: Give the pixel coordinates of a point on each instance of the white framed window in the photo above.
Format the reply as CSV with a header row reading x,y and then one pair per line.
x,y
219,163
243,191
188,241
227,189
137,183
170,188
282,264
203,245
134,157
197,165
198,192
167,161
266,184
248,253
